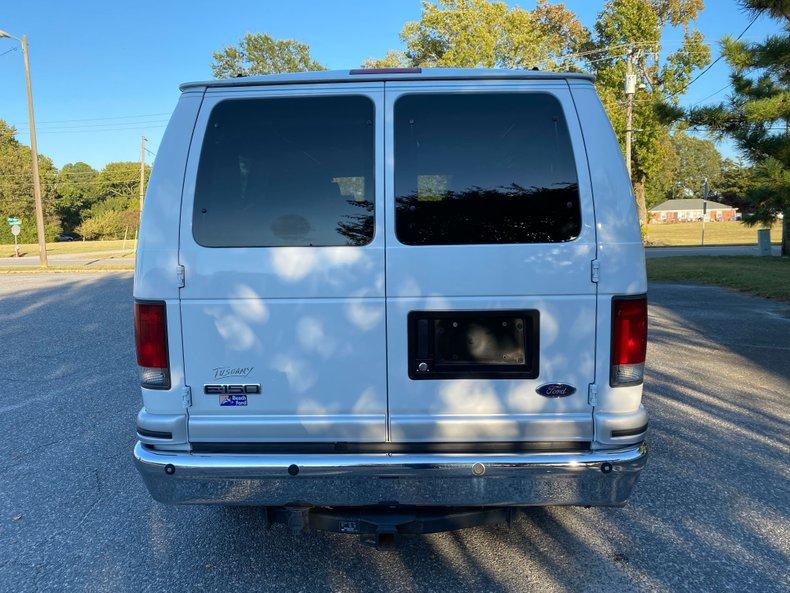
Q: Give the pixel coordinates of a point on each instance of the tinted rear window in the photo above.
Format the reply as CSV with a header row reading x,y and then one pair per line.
x,y
484,168
287,172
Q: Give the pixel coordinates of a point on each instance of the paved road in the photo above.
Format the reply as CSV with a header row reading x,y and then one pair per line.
x,y
709,250
710,512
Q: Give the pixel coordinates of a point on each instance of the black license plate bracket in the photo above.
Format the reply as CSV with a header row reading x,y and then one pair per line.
x,y
473,344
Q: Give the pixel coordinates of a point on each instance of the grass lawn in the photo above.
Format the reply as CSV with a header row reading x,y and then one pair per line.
x,y
763,276
67,247
716,233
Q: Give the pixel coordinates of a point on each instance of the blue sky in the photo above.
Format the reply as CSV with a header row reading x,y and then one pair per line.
x,y
105,73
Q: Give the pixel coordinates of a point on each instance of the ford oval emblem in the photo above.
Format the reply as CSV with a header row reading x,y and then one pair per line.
x,y
556,390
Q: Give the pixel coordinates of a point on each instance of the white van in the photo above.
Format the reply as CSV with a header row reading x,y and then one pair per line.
x,y
389,301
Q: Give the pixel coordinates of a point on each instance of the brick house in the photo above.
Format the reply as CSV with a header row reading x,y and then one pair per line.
x,y
689,210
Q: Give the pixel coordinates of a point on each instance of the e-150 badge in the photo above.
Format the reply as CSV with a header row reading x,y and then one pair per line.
x,y
232,400
231,389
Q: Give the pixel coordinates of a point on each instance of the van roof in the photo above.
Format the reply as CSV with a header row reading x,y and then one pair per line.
x,y
381,74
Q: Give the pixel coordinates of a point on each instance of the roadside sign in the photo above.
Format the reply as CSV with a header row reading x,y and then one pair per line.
x,y
15,229
12,220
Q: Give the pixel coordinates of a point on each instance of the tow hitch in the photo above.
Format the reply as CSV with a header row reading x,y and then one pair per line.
x,y
381,525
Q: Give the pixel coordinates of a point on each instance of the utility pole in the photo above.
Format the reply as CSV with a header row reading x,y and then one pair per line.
x,y
630,90
42,243
785,238
142,173
705,192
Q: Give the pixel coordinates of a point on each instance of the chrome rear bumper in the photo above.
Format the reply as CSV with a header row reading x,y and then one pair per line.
x,y
599,478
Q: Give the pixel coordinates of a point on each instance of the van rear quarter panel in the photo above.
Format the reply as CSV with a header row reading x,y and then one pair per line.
x,y
157,251
620,253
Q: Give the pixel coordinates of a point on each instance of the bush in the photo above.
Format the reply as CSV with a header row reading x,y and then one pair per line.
x,y
111,224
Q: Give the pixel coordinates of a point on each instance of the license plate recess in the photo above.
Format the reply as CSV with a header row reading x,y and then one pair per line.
x,y
473,344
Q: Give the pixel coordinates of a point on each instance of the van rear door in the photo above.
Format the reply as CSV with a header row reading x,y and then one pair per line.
x,y
491,309
282,245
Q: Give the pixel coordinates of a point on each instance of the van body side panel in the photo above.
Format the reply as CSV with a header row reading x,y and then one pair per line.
x,y
621,256
620,250
550,278
304,323
157,251
157,248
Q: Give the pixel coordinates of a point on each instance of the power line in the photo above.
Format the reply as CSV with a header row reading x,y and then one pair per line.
x,y
607,48
713,63
105,125
725,87
96,182
98,130
708,128
8,51
115,124
66,181
77,174
60,121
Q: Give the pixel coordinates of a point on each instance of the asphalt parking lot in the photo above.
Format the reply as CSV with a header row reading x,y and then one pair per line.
x,y
710,512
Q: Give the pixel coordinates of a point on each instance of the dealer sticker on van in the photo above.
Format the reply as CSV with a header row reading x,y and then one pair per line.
x,y
232,400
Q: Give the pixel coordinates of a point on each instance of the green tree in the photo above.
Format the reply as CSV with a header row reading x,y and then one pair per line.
x,y
259,53
113,206
480,33
109,224
16,189
111,218
77,191
685,163
698,159
120,178
757,114
736,182
634,28
392,59
662,184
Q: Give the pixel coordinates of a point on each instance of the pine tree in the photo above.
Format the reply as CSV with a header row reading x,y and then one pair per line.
x,y
757,114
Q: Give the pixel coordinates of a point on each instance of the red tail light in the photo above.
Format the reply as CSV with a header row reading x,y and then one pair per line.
x,y
629,340
150,331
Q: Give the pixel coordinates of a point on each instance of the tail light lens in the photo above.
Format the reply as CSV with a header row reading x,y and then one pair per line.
x,y
150,332
629,340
